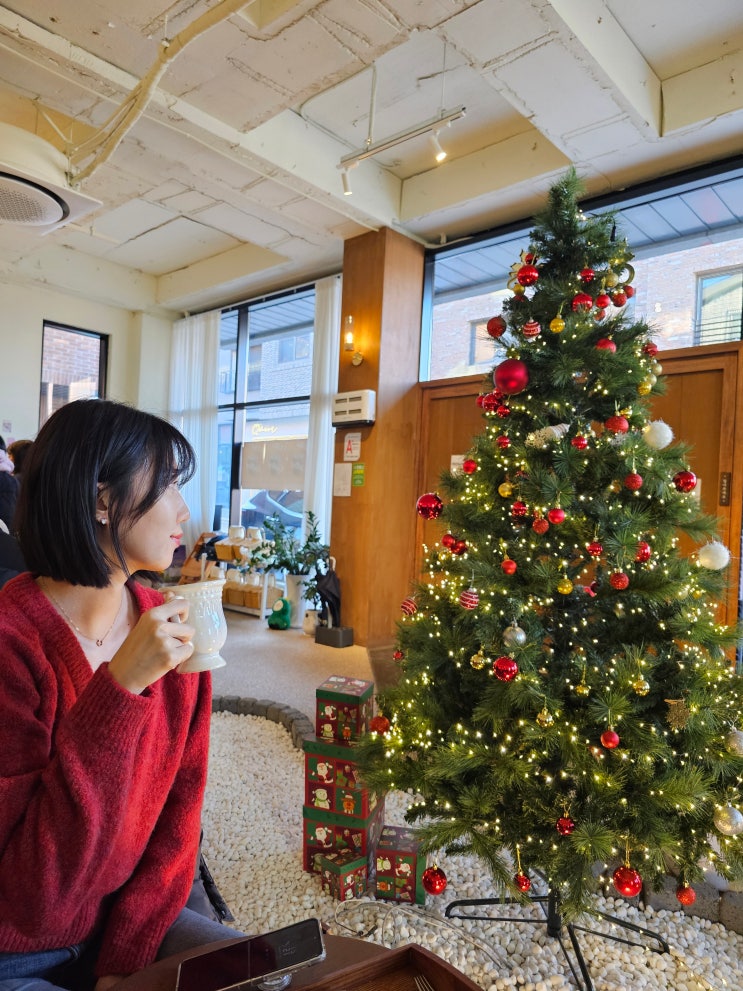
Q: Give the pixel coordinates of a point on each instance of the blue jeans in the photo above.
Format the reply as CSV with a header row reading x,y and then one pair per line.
x,y
70,968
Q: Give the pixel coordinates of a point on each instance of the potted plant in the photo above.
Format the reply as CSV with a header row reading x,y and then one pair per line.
x,y
302,560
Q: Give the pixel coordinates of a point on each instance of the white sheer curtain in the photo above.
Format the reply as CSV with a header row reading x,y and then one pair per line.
x,y
193,409
318,473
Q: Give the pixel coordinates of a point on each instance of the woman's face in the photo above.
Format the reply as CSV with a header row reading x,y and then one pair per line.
x,y
149,544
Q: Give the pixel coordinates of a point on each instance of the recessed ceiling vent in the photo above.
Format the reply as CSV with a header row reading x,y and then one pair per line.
x,y
33,183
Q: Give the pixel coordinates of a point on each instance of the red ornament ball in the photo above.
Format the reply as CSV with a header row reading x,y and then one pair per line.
x,y
629,291
619,298
619,580
602,300
434,880
469,466
469,599
509,567
379,724
650,349
491,401
565,825
480,400
617,424
627,881
686,895
643,552
556,515
505,668
531,329
540,525
579,442
409,606
527,275
610,739
448,540
496,327
398,655
595,548
429,506
582,301
503,411
522,881
633,481
511,376
587,275
605,344
459,547
685,481
518,509
503,442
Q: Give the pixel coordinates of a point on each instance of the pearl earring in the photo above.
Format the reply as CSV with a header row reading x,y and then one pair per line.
x,y
103,521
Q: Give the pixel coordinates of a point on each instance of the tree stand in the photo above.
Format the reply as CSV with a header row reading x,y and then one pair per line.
x,y
549,904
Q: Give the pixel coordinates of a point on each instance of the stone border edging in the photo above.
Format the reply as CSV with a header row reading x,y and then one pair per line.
x,y
297,724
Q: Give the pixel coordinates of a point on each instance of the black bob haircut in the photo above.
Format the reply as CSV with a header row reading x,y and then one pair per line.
x,y
87,444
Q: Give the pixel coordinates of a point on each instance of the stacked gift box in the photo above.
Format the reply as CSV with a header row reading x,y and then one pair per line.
x,y
345,839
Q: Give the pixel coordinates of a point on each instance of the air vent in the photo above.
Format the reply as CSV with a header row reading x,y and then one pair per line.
x,y
33,183
354,408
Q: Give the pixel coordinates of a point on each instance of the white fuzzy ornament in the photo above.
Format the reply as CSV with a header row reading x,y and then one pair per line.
x,y
658,435
546,435
714,556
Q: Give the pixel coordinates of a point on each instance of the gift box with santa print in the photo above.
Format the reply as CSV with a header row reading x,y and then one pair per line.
x,y
326,832
332,781
343,875
399,867
343,709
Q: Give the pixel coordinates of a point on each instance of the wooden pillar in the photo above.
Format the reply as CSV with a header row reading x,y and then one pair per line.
x,y
373,528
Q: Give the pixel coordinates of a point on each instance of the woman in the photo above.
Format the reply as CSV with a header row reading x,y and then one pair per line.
x,y
103,744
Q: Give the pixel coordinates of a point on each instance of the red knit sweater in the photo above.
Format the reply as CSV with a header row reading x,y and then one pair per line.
x,y
100,790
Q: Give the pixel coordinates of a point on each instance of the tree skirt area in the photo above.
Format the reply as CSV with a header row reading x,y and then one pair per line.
x,y
253,844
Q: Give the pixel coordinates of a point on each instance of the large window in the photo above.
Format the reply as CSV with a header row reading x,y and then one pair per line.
x,y
265,379
73,366
687,235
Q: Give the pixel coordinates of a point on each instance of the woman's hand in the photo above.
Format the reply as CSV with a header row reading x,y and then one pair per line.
x,y
109,981
160,641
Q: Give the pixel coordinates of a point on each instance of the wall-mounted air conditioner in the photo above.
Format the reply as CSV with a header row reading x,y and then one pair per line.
x,y
354,408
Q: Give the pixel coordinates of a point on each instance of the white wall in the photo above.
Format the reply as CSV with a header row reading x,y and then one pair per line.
x,y
138,357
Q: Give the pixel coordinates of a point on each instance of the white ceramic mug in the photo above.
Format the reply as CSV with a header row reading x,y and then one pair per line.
x,y
206,615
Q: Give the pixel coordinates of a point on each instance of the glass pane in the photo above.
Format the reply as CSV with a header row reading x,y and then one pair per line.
x,y
460,344
721,307
225,432
227,357
272,481
71,366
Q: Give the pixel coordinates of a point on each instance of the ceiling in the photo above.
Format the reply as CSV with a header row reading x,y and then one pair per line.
x,y
211,132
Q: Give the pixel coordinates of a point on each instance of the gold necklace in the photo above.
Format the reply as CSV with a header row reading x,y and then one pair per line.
x,y
98,641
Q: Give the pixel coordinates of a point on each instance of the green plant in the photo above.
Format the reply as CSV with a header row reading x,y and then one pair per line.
x,y
297,557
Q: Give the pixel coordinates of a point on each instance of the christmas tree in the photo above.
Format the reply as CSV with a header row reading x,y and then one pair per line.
x,y
567,697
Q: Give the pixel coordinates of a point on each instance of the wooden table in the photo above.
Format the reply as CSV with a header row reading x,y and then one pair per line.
x,y
342,952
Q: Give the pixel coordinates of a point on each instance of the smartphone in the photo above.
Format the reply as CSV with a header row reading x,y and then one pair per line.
x,y
254,959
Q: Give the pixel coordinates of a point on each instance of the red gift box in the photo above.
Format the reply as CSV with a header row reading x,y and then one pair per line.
x,y
343,708
332,781
325,832
343,875
399,866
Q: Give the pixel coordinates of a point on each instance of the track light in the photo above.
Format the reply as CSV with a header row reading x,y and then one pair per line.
x,y
432,126
347,191
437,149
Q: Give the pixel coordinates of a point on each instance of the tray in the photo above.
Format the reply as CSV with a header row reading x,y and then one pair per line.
x,y
395,971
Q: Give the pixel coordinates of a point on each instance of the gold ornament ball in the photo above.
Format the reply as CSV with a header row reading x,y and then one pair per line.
x,y
611,279
657,367
641,686
545,718
564,586
478,661
557,325
582,689
505,489
644,388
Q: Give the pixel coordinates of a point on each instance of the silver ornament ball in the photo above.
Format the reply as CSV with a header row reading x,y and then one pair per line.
x,y
728,820
734,742
514,636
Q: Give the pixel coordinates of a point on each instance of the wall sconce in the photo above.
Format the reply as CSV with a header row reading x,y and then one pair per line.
x,y
348,341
